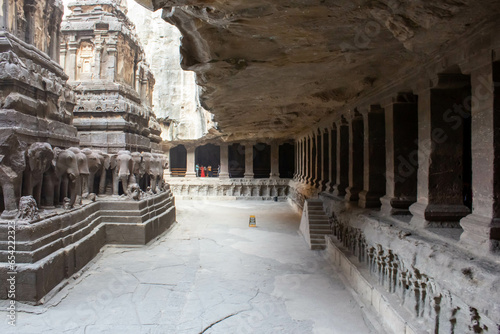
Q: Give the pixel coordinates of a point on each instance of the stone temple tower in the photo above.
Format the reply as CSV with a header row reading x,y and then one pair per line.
x,y
105,63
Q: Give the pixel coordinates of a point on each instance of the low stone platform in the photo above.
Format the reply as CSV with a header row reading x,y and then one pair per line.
x,y
415,279
60,244
229,189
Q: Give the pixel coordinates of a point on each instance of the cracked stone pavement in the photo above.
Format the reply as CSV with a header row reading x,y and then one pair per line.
x,y
210,273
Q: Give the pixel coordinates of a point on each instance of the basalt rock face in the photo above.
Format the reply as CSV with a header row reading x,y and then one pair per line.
x,y
274,68
175,97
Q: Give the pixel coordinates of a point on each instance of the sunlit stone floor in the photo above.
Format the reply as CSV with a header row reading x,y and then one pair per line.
x,y
210,273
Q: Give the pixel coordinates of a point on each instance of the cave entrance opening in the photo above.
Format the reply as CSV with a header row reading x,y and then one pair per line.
x,y
287,161
261,161
178,162
208,156
236,154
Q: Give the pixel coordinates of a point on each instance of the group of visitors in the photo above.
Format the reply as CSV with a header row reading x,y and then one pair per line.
x,y
204,171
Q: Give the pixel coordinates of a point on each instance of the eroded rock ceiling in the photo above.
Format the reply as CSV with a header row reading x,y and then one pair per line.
x,y
274,68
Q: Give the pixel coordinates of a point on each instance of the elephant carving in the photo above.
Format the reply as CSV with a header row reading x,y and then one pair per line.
x,y
122,166
138,170
61,177
153,168
12,165
98,163
39,157
83,169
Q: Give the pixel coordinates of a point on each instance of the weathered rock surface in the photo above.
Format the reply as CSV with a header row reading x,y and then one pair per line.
x,y
273,68
175,97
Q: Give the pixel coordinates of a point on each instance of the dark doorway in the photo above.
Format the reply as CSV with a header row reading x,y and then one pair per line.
x,y
286,161
261,161
208,156
178,157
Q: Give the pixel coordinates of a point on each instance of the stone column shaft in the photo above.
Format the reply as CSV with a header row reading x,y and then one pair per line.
x,y
401,132
482,227
325,173
190,159
332,164
342,160
319,151
275,161
249,161
224,161
356,163
441,155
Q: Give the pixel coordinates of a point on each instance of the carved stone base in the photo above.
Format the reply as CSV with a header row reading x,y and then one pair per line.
x,y
53,249
432,215
396,206
481,233
369,199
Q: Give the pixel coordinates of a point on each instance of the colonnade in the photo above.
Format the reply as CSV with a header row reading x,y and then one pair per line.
x,y
246,151
430,151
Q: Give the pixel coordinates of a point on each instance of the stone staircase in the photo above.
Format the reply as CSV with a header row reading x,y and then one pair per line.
x,y
315,224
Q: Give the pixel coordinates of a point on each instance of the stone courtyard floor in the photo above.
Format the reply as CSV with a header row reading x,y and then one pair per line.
x,y
210,273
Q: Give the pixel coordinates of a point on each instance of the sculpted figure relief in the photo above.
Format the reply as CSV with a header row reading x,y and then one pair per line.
x,y
83,170
12,164
98,163
61,178
122,167
39,158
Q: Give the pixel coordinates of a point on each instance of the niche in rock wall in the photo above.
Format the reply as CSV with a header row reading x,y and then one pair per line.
x,y
85,61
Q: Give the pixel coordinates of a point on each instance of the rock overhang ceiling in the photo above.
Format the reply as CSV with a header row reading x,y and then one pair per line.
x,y
274,68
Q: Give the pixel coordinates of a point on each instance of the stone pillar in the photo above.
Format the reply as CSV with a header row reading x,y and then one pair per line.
x,y
441,116
275,160
314,159
325,179
168,173
248,161
71,62
224,161
482,227
318,163
29,14
332,163
342,159
401,133
374,158
295,161
356,153
307,161
190,159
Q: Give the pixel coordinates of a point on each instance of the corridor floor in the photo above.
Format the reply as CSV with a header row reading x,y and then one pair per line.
x,y
211,273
